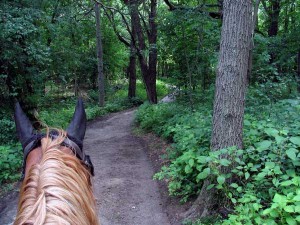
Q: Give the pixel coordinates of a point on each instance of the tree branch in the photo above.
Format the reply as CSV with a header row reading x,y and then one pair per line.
x,y
145,24
170,5
215,15
112,21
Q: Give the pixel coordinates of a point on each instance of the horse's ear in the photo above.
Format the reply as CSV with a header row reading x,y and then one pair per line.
x,y
23,125
77,126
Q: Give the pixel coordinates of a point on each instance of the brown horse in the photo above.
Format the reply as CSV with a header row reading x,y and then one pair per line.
x,y
57,186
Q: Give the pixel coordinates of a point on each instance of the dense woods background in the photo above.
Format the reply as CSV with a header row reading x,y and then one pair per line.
x,y
118,54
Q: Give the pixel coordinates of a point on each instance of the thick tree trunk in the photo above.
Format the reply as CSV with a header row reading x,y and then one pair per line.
x,y
101,85
230,91
231,76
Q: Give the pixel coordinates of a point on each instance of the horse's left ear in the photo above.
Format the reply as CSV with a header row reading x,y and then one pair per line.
x,y
77,126
24,127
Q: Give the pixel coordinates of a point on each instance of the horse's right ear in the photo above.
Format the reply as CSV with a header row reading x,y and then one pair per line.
x,y
77,126
23,125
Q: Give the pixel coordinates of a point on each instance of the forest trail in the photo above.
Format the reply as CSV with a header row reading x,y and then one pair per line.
x,y
123,185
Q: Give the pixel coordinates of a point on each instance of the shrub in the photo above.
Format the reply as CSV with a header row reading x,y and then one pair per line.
x,y
10,163
265,182
7,134
154,117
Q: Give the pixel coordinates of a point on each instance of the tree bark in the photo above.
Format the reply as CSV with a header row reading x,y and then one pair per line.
x,y
231,76
230,91
152,52
298,71
131,70
101,81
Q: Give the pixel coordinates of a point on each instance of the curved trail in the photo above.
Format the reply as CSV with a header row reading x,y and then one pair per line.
x,y
123,185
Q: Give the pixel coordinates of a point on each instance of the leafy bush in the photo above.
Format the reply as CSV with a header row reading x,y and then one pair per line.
x,y
190,133
154,117
268,191
7,134
10,163
265,182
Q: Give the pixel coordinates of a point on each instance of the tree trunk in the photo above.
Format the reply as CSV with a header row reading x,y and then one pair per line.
x,y
131,70
273,12
254,21
152,52
231,76
101,85
230,91
274,24
148,69
298,71
274,17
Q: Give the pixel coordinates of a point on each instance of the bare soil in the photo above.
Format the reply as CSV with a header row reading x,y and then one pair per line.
x,y
124,189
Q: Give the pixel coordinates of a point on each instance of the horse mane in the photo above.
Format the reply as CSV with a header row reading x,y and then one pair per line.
x,y
58,190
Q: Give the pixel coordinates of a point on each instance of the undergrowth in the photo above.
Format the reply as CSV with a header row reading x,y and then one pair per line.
x,y
265,187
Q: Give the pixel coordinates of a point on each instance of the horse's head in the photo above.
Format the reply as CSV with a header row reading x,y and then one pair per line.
x,y
57,188
31,140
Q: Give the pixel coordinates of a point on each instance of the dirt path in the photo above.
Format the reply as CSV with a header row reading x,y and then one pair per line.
x,y
124,189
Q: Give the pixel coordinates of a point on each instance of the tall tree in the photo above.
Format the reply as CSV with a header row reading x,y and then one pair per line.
x,y
231,75
141,40
128,41
147,64
230,90
101,85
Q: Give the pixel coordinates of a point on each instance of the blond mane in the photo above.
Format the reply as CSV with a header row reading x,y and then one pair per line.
x,y
57,190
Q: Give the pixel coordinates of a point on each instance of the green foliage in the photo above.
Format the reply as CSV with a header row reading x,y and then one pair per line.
x,y
154,117
10,163
264,187
7,134
24,57
190,134
188,43
267,171
52,43
117,100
